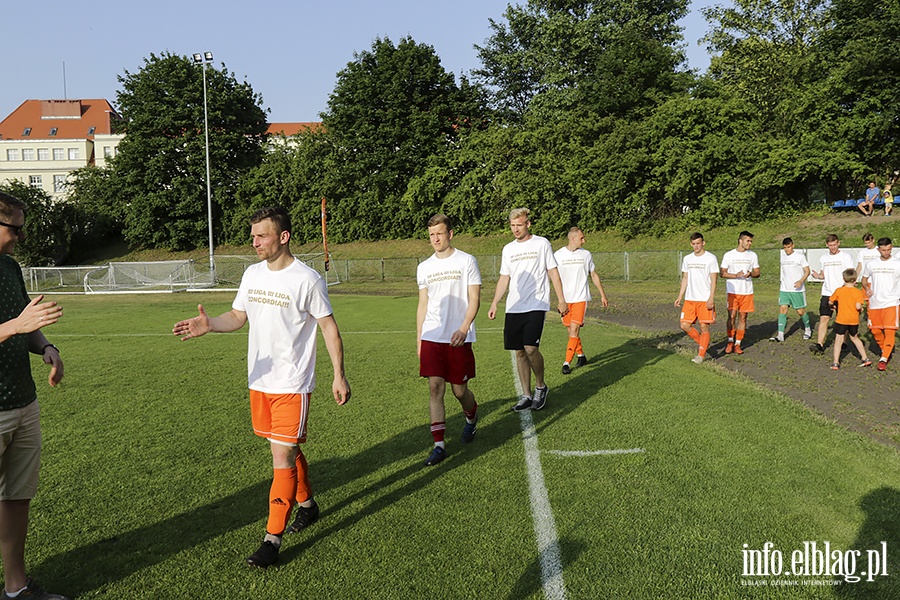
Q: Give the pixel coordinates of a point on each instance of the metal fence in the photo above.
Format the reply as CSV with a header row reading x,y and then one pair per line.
x,y
613,266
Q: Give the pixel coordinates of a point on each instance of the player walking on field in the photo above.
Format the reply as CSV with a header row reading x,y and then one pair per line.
x,y
527,267
285,302
21,321
848,301
699,271
792,294
576,267
739,268
831,270
449,297
881,283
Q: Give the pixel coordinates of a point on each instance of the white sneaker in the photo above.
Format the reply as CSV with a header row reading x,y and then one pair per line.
x,y
807,334
697,359
779,337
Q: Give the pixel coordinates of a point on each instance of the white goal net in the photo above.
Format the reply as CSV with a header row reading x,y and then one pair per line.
x,y
162,276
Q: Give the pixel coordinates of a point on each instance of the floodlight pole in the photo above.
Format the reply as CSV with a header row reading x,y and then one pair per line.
x,y
204,59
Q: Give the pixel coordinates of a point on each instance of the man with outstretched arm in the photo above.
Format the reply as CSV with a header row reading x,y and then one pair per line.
x,y
527,267
21,320
285,302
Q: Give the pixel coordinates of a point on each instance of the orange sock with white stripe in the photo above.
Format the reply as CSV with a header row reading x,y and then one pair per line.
x,y
281,499
738,336
578,349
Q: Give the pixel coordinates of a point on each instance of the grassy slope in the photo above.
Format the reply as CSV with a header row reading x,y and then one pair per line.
x,y
807,229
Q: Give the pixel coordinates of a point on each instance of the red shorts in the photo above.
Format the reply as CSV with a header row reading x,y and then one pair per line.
x,y
694,310
740,302
280,418
575,314
453,364
883,318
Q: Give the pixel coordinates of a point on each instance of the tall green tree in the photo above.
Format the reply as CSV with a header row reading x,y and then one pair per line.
x,y
393,107
49,226
160,168
602,58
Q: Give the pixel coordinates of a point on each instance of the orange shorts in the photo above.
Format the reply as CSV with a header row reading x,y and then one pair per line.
x,y
575,314
280,418
694,310
884,318
740,302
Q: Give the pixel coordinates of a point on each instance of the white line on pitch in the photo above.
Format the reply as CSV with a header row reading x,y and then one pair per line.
x,y
541,512
594,452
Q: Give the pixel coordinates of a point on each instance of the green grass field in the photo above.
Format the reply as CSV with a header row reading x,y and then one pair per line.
x,y
153,485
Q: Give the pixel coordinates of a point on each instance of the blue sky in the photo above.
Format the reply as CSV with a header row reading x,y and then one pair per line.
x,y
289,51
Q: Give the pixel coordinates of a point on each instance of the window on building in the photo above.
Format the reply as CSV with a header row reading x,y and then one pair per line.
x,y
53,131
107,152
43,154
59,183
73,153
27,132
59,154
91,130
35,181
28,154
12,154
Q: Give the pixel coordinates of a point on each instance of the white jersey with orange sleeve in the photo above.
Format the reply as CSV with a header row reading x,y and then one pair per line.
x,y
447,281
698,269
735,262
282,308
575,268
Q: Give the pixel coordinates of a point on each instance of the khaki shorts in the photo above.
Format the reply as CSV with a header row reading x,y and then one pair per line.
x,y
20,452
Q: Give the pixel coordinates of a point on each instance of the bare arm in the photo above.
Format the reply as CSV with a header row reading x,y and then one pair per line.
x,y
459,336
711,302
420,319
799,284
754,273
502,286
38,344
203,323
340,388
867,287
684,282
596,279
35,315
562,308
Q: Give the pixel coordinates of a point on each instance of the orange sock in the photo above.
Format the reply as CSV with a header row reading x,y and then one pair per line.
x,y
730,334
281,499
704,343
738,336
888,346
570,349
578,349
304,489
694,334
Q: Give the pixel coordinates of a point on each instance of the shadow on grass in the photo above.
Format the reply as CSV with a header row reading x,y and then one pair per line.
x,y
527,586
409,477
881,507
95,565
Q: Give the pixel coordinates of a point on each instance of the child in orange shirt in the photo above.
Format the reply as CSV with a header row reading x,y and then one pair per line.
x,y
849,301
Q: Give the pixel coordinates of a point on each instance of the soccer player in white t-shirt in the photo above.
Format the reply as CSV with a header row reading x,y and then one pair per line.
x,y
699,271
867,254
831,269
576,268
881,283
449,297
739,267
527,268
285,302
792,293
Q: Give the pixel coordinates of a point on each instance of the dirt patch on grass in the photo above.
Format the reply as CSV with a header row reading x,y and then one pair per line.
x,y
862,399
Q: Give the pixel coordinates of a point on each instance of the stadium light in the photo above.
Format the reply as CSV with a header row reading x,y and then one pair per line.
x,y
204,59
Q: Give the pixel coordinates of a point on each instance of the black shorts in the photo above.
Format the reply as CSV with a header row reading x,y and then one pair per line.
x,y
824,309
841,329
523,329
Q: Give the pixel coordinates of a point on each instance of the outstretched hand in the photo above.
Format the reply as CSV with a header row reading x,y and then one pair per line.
x,y
38,314
191,328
